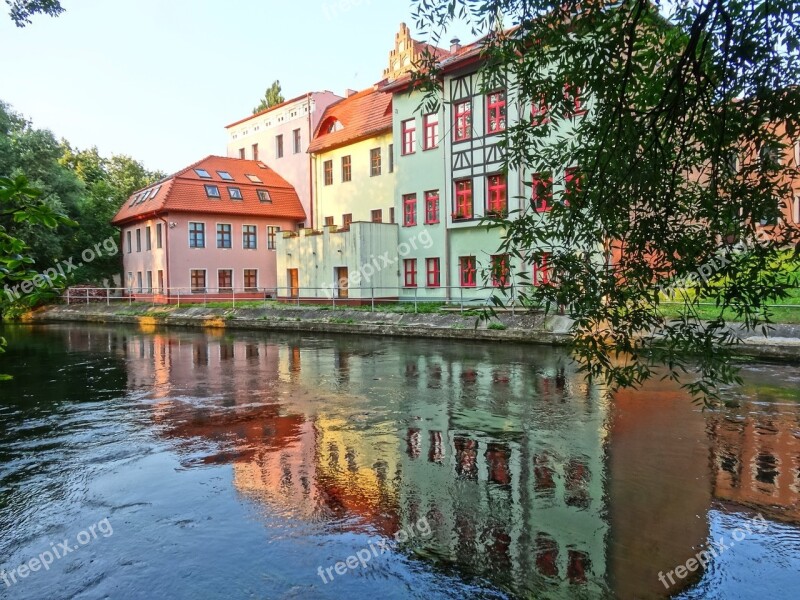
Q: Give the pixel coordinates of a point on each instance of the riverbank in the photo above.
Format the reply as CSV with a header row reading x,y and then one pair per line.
x,y
526,328
533,328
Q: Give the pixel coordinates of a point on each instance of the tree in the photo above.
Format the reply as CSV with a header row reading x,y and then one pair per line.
x,y
272,97
21,203
22,10
108,183
35,153
84,185
684,166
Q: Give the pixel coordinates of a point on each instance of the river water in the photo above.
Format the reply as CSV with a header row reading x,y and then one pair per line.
x,y
143,463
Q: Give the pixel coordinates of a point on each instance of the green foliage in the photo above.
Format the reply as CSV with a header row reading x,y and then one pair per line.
x,y
108,182
497,326
20,203
272,97
81,184
672,97
22,10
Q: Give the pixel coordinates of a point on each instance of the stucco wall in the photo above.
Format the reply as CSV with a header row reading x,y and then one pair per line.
x,y
417,173
363,193
182,258
364,250
153,260
262,130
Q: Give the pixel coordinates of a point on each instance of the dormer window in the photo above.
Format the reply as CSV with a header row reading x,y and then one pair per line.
x,y
212,191
334,125
263,196
235,193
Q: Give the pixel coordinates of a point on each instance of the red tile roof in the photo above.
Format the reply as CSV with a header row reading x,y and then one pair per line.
x,y
185,192
362,115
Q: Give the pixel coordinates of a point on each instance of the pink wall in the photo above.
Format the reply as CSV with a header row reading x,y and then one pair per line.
x,y
182,258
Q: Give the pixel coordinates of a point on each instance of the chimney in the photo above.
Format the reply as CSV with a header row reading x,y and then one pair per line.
x,y
348,92
455,45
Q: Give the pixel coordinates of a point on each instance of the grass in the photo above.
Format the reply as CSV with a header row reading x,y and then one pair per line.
x,y
787,311
497,326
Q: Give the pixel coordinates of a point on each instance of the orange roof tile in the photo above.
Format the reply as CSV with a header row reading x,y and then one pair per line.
x,y
362,115
185,192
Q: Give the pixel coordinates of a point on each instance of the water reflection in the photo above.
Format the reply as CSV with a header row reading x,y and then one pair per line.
x,y
529,478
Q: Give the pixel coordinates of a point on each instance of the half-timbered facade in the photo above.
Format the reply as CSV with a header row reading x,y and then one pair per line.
x,y
451,175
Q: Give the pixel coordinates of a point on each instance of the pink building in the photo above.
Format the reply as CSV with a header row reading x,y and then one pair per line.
x,y
209,229
279,136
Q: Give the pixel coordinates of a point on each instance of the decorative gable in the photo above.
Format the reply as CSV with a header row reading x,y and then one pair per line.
x,y
406,53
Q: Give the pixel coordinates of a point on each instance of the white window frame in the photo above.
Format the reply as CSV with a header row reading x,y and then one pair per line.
x,y
216,225
243,236
189,235
191,289
244,280
233,278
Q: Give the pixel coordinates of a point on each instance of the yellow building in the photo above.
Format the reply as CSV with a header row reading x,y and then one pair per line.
x,y
353,162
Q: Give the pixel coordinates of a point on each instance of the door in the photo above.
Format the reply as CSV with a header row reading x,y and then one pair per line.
x,y
342,287
294,283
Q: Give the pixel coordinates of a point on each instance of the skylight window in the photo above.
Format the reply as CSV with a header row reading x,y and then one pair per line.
x,y
225,175
203,173
236,193
263,196
212,191
145,196
155,192
254,178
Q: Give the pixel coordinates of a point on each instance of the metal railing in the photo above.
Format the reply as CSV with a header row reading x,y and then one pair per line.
x,y
455,297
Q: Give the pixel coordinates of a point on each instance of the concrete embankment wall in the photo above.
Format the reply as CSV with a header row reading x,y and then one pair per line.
x,y
783,341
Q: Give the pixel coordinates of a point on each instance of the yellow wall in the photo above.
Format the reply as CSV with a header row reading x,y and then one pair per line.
x,y
362,193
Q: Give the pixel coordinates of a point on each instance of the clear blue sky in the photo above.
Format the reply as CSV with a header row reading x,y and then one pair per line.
x,y
159,79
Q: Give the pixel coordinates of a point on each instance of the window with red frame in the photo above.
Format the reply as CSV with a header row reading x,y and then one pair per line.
x,y
410,269
463,200
539,112
463,116
541,271
431,207
409,133
430,125
496,112
432,268
466,269
572,96
542,199
572,184
500,270
409,210
496,197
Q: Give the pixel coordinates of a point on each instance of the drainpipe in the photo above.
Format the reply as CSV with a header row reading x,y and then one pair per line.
x,y
166,256
314,187
447,189
311,193
122,251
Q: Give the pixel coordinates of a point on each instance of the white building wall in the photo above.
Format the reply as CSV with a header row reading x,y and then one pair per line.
x,y
263,129
367,250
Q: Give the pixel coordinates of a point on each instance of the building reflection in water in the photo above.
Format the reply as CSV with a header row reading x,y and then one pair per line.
x,y
528,477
